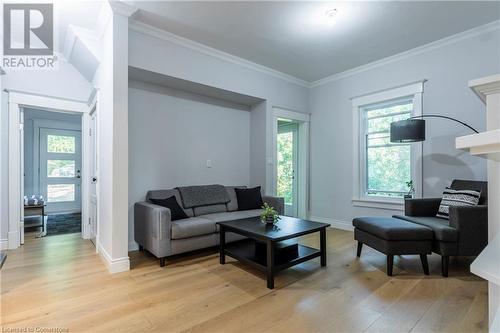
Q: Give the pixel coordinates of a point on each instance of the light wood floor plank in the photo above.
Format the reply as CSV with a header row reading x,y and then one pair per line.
x,y
59,281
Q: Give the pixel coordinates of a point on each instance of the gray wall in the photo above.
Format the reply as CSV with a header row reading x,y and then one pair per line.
x,y
172,134
447,69
29,134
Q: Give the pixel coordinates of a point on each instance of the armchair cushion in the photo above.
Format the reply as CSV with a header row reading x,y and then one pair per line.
x,y
442,230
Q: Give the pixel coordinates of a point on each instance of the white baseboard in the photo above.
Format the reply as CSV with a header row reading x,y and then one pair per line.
x,y
13,239
337,224
133,246
4,244
113,265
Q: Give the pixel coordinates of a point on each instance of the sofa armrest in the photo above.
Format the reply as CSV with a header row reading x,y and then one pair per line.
x,y
152,228
277,203
422,207
472,225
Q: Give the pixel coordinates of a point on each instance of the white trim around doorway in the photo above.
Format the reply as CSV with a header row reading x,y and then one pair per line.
x,y
17,101
303,120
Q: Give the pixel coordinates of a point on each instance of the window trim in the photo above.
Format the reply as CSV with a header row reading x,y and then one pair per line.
x,y
360,199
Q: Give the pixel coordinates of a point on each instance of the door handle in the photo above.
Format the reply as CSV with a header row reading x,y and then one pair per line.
x,y
94,180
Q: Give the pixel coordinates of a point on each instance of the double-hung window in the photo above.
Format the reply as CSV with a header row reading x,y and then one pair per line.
x,y
384,168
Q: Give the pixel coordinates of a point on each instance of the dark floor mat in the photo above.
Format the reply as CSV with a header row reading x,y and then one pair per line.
x,y
64,224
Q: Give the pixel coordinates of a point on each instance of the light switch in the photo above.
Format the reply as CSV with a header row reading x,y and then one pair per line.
x,y
209,163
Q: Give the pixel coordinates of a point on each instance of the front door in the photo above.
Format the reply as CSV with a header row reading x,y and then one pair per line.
x,y
60,169
287,149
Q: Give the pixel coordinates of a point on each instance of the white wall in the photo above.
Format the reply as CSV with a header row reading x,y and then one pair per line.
x,y
447,70
29,140
65,82
111,80
172,134
175,60
185,62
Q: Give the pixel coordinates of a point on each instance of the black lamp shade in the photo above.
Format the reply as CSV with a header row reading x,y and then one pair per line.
x,y
408,130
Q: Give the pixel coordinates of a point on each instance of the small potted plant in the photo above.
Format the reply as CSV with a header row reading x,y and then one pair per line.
x,y
411,190
269,215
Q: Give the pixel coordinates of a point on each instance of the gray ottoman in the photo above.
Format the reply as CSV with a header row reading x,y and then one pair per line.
x,y
393,236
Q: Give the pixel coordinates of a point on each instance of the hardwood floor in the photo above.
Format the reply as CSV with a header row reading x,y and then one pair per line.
x,y
59,282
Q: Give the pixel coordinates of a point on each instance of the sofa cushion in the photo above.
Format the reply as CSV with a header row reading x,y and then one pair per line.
x,y
176,212
161,194
230,216
232,205
249,198
191,227
203,210
442,230
392,229
203,195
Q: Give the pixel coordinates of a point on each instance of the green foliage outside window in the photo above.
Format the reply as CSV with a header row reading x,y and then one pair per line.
x,y
285,166
61,144
388,166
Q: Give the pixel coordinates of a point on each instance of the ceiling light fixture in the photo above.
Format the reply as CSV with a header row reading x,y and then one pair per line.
x,y
331,13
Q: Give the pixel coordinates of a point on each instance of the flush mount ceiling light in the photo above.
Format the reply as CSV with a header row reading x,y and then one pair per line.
x,y
331,13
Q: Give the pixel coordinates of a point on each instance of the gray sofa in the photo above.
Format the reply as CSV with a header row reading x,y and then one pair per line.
x,y
155,232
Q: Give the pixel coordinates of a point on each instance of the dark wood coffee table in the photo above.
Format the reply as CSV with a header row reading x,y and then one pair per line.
x,y
255,230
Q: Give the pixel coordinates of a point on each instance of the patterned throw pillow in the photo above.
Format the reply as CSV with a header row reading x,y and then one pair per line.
x,y
457,198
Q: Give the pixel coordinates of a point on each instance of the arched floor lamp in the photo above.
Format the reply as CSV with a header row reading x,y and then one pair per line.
x,y
413,128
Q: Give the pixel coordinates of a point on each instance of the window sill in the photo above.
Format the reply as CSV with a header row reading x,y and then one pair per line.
x,y
390,204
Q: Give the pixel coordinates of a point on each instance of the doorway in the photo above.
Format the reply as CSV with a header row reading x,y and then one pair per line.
x,y
52,172
18,103
287,166
291,156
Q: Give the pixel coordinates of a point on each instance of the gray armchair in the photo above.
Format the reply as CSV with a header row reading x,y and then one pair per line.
x,y
466,231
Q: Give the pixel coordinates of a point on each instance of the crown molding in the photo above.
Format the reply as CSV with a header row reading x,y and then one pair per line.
x,y
406,54
486,86
147,29
122,8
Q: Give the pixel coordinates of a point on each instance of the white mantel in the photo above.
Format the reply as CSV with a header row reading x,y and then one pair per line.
x,y
487,145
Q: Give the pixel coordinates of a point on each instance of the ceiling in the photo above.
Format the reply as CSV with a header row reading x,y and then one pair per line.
x,y
81,13
298,39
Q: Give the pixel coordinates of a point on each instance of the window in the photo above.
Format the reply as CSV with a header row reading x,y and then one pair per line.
x,y
61,168
60,192
60,144
382,168
387,165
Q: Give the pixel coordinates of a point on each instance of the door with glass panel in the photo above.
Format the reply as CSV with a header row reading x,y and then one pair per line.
x,y
287,150
60,169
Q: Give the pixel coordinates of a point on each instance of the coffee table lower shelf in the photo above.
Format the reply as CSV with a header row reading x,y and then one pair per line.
x,y
244,251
